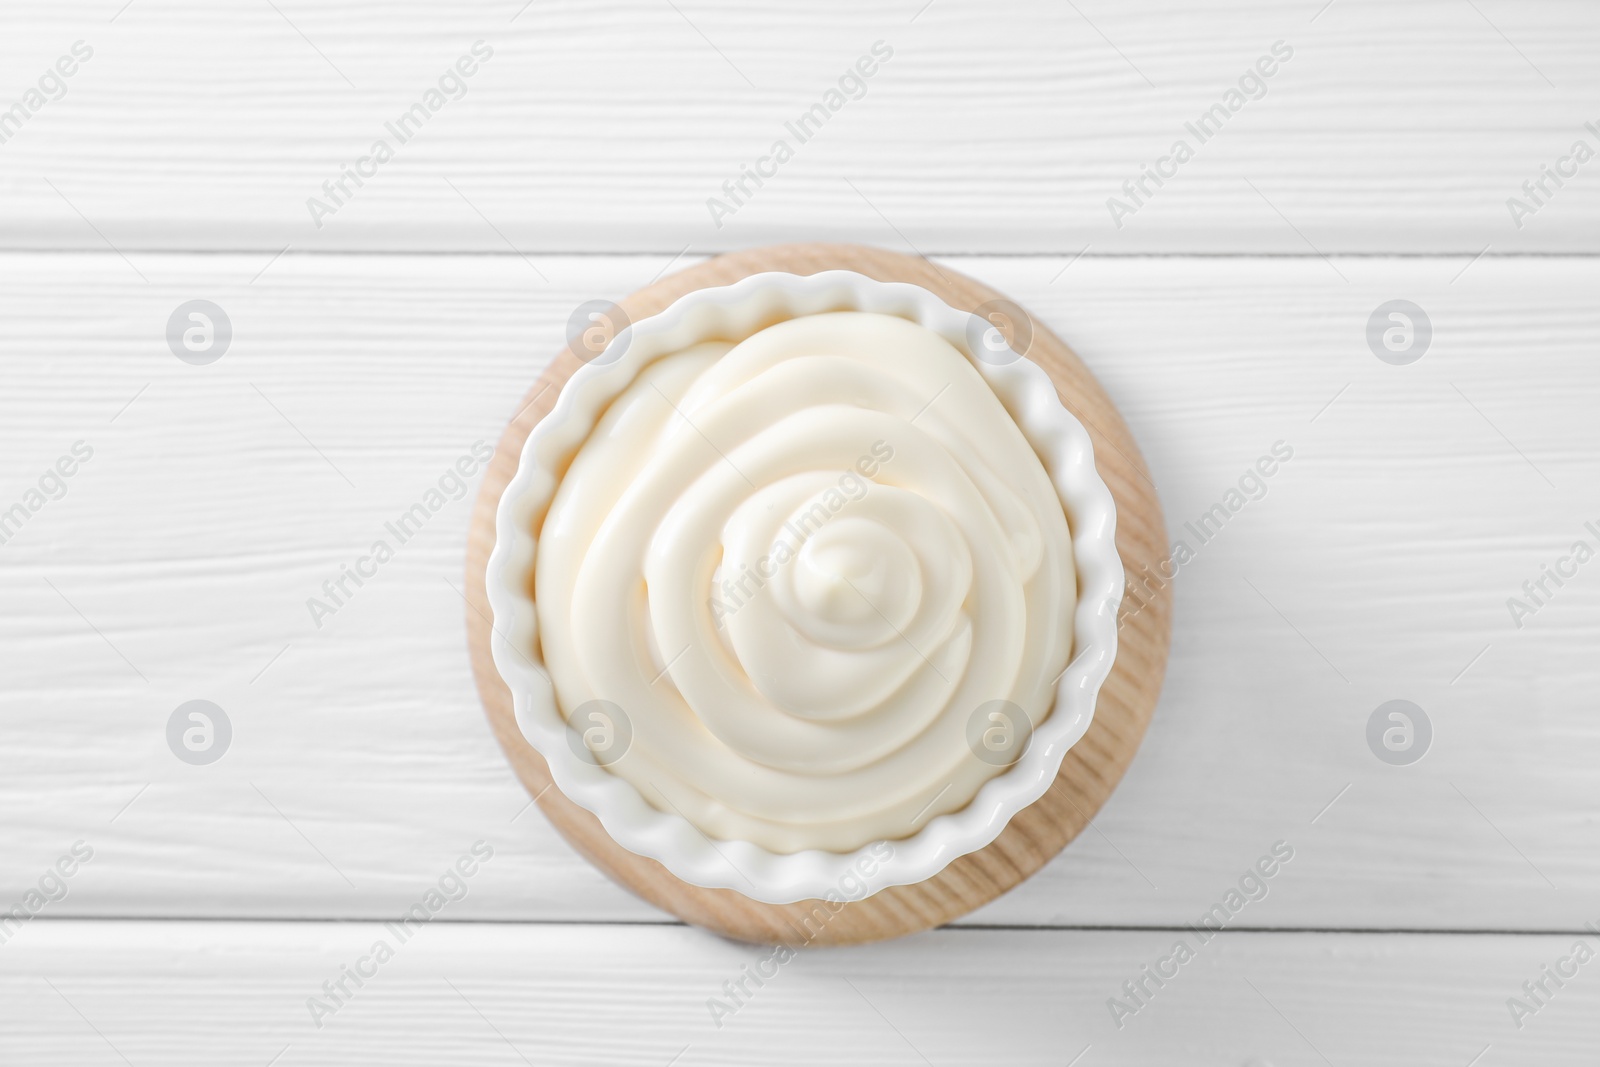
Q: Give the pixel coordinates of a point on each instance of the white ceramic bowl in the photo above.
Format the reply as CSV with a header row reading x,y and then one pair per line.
x,y
737,311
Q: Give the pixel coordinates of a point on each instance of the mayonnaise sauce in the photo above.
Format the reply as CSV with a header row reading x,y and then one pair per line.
x,y
799,565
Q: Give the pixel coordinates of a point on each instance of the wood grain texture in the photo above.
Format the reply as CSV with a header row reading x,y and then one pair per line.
x,y
993,128
1091,769
199,994
1377,566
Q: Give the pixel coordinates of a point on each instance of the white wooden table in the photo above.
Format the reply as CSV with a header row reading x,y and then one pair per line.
x,y
1227,313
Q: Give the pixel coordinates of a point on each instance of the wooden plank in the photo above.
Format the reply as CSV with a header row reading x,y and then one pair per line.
x,y
206,993
179,562
609,127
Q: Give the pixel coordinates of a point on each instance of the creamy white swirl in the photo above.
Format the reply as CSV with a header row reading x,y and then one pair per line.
x,y
798,565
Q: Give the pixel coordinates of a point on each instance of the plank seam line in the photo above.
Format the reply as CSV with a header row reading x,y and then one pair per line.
x,y
7,250
952,927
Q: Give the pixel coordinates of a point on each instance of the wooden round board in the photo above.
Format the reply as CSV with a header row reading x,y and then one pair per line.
x,y
1091,769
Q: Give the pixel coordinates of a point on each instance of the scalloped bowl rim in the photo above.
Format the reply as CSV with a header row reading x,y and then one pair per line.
x,y
1058,438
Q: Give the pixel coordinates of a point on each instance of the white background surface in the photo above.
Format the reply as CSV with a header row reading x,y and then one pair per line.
x,y
1229,313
